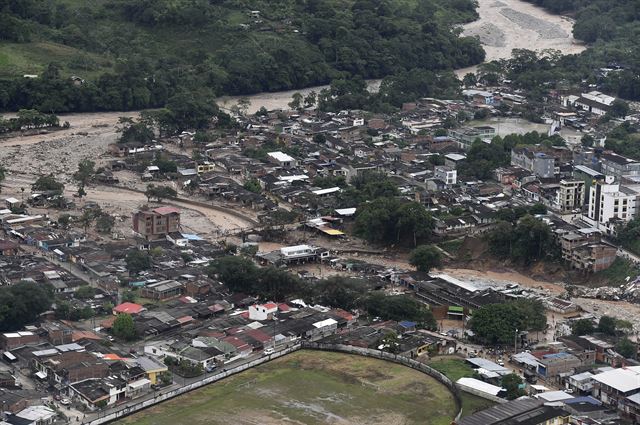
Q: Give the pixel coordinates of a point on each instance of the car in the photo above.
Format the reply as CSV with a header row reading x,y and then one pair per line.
x,y
500,363
268,351
65,402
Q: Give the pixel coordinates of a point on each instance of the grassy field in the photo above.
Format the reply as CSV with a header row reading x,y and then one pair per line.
x,y
311,387
454,369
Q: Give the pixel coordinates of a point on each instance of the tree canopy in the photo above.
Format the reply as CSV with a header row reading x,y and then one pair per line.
x,y
124,64
527,241
137,261
399,307
241,275
497,323
22,303
48,183
425,257
123,327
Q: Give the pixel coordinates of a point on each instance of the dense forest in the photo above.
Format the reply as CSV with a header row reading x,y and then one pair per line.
x,y
133,54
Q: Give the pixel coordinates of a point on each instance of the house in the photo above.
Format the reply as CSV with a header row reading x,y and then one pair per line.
x,y
593,102
11,340
293,254
454,160
12,203
128,308
152,368
262,312
157,223
537,162
37,415
282,159
162,290
8,248
593,257
480,388
619,389
447,174
581,383
618,166
465,136
552,365
525,410
98,393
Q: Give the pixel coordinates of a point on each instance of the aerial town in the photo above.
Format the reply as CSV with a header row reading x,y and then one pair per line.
x,y
141,299
288,213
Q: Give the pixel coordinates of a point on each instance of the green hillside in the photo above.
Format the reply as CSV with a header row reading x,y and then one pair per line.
x,y
139,53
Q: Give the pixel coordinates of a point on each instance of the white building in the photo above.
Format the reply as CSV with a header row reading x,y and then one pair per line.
x,y
611,203
446,174
595,102
282,159
298,251
40,415
582,382
262,312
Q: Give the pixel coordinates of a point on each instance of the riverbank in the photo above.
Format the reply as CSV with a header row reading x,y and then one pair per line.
x,y
502,27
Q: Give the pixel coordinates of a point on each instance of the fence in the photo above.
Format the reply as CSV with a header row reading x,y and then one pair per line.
x,y
382,355
348,349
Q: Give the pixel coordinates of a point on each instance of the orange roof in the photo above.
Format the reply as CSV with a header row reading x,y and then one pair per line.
x,y
270,306
78,335
344,314
108,323
128,308
112,356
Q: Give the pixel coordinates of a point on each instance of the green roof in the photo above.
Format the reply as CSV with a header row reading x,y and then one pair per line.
x,y
458,309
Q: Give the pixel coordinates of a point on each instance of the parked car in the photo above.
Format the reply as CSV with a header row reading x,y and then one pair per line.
x,y
65,402
268,351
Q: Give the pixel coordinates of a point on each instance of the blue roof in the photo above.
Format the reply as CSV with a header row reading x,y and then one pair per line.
x,y
556,355
586,399
407,324
191,237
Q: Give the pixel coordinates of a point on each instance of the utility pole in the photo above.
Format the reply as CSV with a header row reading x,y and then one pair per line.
x,y
515,342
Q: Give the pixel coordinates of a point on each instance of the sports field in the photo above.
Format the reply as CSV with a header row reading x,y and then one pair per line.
x,y
312,387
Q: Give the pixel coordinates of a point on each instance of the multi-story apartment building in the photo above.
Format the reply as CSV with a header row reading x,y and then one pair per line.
x,y
618,166
157,223
465,136
539,163
570,195
446,174
611,204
